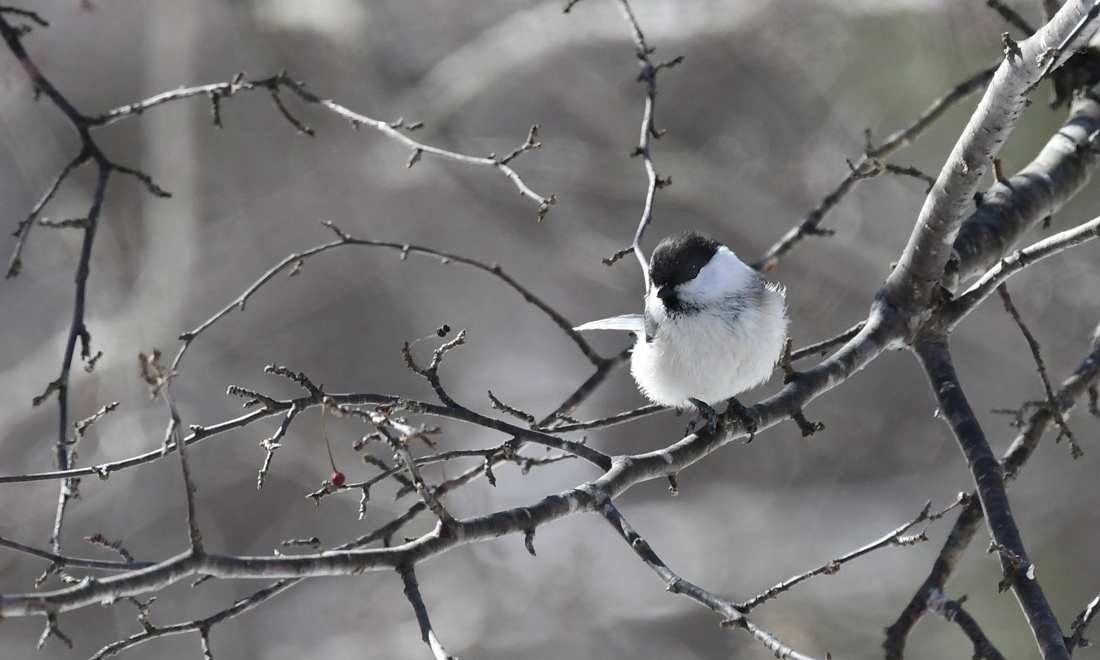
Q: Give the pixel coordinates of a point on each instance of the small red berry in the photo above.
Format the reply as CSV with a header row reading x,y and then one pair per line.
x,y
337,478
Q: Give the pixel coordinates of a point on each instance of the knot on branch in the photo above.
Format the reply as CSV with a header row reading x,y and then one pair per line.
x,y
1011,48
807,427
296,377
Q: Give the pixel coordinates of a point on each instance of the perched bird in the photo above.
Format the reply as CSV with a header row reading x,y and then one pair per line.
x,y
712,328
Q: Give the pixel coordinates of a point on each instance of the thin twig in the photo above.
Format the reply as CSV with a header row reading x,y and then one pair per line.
x,y
295,260
273,85
1081,624
404,457
731,615
73,562
823,347
895,537
23,230
809,226
1033,345
612,420
648,130
957,309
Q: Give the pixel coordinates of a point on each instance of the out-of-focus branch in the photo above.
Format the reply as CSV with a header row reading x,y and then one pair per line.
x,y
1011,16
952,611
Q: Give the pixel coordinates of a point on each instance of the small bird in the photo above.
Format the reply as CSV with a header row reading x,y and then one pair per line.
x,y
713,327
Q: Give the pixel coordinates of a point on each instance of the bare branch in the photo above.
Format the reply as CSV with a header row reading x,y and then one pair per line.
x,y
971,517
412,592
1081,624
73,562
648,130
731,614
1009,209
404,459
865,168
989,477
921,265
895,537
275,84
1033,345
955,310
952,611
23,230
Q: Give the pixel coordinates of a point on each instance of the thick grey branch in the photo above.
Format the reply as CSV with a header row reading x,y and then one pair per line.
x,y
1010,208
914,281
989,478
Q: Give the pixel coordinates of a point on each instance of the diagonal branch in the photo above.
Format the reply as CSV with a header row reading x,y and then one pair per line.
x,y
912,284
896,537
966,525
1010,208
1081,624
861,170
952,611
989,478
954,311
412,592
730,612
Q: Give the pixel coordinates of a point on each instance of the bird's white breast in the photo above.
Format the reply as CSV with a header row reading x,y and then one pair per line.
x,y
712,358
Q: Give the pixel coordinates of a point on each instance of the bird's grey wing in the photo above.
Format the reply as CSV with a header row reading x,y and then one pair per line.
x,y
629,322
650,325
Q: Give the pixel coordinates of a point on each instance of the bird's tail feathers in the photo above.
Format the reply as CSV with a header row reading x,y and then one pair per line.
x,y
628,322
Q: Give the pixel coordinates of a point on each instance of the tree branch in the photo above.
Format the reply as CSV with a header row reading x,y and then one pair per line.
x,y
913,282
989,477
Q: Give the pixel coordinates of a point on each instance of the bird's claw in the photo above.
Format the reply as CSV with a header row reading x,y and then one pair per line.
x,y
705,410
747,416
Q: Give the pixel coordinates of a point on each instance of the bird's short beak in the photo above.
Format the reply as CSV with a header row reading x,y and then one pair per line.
x,y
666,293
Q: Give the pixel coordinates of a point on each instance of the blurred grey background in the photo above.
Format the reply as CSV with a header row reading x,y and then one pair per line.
x,y
771,99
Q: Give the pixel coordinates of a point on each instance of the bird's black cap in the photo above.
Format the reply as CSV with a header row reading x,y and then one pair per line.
x,y
678,258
